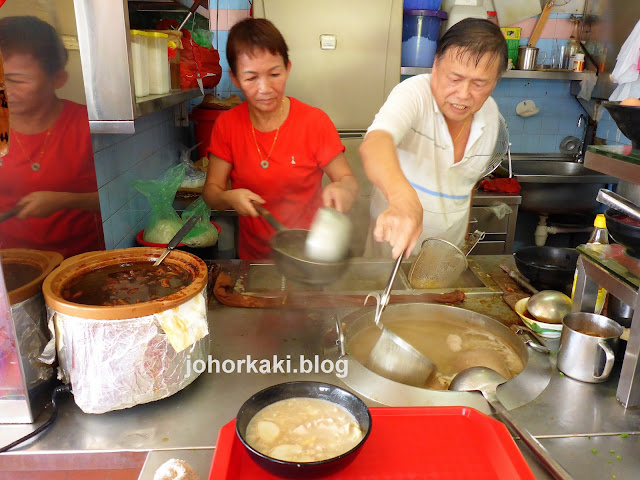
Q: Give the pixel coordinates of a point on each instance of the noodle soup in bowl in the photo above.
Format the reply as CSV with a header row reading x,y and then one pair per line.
x,y
303,429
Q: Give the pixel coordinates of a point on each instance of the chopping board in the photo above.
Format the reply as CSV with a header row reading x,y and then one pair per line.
x,y
513,11
511,291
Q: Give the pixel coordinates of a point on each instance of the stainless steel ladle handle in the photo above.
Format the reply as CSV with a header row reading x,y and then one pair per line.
x,y
621,204
383,300
553,467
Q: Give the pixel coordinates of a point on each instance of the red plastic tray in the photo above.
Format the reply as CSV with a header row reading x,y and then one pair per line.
x,y
407,443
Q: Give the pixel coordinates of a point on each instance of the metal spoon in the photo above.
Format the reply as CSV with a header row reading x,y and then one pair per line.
x,y
486,381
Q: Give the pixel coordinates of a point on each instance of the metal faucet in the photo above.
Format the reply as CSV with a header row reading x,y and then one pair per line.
x,y
582,119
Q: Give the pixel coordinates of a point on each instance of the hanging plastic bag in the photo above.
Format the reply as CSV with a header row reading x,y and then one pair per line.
x,y
196,62
625,73
204,233
164,222
194,178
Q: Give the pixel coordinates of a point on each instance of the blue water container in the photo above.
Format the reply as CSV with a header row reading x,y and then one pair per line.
x,y
422,4
420,32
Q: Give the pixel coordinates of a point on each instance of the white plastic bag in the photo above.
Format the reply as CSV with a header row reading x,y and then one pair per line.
x,y
625,73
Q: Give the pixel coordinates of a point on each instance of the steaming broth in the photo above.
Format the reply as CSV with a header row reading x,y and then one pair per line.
x,y
451,345
303,430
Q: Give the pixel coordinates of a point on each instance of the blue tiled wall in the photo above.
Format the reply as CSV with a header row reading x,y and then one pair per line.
x,y
119,159
543,132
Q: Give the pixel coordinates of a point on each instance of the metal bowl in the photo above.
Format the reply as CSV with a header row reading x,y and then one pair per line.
x,y
323,391
288,249
549,268
627,119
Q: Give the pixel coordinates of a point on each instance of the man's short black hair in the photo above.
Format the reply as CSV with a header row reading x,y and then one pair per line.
x,y
475,37
30,35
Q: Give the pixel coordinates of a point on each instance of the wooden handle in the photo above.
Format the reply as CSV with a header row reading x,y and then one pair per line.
x,y
544,16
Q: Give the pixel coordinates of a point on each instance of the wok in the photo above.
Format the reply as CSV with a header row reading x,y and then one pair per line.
x,y
288,248
627,119
548,268
623,233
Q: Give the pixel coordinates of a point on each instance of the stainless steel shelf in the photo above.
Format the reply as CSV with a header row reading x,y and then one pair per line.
x,y
612,164
154,103
515,74
144,106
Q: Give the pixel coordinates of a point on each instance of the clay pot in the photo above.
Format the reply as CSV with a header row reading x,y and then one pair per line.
x,y
79,265
44,261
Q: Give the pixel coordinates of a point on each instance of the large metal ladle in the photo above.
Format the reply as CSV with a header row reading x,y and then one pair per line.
x,y
548,306
486,381
392,356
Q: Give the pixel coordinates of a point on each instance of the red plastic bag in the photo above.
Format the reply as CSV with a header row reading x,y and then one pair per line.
x,y
195,60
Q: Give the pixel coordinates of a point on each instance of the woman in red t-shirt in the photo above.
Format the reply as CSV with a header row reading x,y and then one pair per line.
x,y
275,149
48,176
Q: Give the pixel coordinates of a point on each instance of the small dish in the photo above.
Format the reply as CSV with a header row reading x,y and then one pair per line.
x,y
546,330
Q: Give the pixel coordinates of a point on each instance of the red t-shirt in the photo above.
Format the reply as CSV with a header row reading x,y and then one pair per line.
x,y
66,166
292,183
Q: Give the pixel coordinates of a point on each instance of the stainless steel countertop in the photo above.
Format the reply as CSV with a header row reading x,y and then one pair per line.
x,y
569,417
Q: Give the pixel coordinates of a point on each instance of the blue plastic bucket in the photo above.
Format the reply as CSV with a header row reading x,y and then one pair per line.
x,y
420,32
422,4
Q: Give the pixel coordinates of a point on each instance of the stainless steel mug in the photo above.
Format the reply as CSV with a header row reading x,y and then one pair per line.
x,y
527,57
587,344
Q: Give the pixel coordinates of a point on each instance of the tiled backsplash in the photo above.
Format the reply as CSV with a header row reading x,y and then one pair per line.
x,y
543,132
119,159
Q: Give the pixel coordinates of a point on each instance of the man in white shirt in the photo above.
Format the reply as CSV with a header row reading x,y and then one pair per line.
x,y
431,142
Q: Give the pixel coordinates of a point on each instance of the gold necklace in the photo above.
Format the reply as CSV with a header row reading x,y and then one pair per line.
x,y
35,166
461,129
264,162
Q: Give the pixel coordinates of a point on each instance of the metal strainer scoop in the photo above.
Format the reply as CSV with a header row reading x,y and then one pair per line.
x,y
392,356
440,263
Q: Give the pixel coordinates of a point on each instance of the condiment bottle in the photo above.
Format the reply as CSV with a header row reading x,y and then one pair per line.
x,y
573,46
578,62
599,236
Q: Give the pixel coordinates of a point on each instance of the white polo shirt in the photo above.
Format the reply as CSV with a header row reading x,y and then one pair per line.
x,y
425,151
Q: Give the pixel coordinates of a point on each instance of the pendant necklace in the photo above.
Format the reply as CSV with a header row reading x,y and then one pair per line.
x,y
461,129
264,162
35,165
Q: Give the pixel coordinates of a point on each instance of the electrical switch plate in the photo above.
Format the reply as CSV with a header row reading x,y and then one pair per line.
x,y
328,42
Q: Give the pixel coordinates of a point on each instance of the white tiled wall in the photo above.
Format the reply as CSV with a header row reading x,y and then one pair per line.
x,y
119,159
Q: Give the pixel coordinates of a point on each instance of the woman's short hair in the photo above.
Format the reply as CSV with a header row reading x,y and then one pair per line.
x,y
253,34
475,37
30,35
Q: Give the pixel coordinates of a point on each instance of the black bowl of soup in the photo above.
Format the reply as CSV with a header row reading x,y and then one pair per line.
x,y
303,429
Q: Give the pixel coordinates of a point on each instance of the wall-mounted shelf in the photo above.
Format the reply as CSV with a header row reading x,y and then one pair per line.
x,y
105,53
515,74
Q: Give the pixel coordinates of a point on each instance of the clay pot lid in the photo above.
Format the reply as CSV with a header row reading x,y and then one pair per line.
x,y
84,263
43,260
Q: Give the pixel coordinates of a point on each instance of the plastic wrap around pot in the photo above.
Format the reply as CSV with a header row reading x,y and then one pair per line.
x,y
29,320
116,364
118,357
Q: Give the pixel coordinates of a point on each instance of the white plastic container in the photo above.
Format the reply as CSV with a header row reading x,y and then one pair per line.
x,y
140,60
159,77
462,9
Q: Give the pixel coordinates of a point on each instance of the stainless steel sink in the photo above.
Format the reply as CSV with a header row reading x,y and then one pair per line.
x,y
557,186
